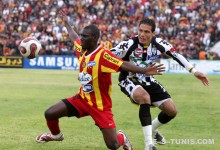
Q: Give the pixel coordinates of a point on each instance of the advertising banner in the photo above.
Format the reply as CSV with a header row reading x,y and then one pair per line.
x,y
205,66
71,63
52,62
11,62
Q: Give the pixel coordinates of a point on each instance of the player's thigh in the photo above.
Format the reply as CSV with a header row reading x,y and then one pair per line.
x,y
110,138
141,96
134,91
57,110
169,107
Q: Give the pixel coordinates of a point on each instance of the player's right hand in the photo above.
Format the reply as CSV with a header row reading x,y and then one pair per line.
x,y
154,69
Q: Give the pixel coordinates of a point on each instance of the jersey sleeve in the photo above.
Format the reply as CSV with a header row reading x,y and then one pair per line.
x,y
109,62
121,49
78,48
167,48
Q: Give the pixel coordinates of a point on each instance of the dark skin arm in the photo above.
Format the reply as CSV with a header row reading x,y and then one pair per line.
x,y
72,34
150,70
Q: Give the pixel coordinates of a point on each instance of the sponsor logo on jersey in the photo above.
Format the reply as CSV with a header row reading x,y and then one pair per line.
x,y
78,47
91,63
124,45
154,50
153,57
116,53
83,64
138,52
87,88
110,58
172,50
110,124
84,78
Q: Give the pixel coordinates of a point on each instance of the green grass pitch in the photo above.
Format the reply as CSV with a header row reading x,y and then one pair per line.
x,y
26,94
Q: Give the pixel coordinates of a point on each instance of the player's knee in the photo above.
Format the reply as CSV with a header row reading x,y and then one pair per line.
x,y
142,97
172,112
49,114
146,98
169,108
113,145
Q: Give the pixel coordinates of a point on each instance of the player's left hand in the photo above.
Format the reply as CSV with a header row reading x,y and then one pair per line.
x,y
155,69
202,77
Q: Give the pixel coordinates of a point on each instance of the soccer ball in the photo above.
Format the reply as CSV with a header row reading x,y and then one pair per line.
x,y
30,47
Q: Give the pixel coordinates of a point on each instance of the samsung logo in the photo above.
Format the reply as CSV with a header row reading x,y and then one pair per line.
x,y
52,61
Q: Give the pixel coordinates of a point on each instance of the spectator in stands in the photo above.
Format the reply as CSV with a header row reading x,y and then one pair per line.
x,y
202,55
9,46
107,44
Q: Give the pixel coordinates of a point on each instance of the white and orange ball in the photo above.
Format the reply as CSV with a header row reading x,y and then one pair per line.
x,y
30,47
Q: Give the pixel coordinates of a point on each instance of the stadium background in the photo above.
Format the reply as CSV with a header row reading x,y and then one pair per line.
x,y
192,26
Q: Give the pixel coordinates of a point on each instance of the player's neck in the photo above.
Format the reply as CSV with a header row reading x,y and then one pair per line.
x,y
89,51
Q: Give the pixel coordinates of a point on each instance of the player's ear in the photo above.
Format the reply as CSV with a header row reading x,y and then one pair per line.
x,y
154,33
96,38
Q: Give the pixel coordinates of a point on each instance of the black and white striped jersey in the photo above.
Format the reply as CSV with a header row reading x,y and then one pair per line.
x,y
133,51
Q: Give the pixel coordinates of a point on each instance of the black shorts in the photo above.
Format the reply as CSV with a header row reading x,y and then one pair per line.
x,y
156,91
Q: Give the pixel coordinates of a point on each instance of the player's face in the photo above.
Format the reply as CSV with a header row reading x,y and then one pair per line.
x,y
87,40
104,38
145,34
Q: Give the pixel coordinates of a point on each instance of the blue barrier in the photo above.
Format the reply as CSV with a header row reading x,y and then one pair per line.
x,y
52,62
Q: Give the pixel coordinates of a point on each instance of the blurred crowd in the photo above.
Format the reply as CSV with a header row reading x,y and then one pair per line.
x,y
192,26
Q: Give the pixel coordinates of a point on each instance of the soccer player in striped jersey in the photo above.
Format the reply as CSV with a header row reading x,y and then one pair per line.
x,y
93,99
145,90
105,42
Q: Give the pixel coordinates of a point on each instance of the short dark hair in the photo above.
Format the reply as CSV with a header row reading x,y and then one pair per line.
x,y
104,34
94,30
150,22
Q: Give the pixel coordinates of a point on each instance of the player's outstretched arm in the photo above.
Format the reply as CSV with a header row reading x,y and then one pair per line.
x,y
72,34
185,63
202,77
150,70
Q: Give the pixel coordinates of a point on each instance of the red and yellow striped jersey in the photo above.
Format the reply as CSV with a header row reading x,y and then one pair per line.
x,y
95,76
78,48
